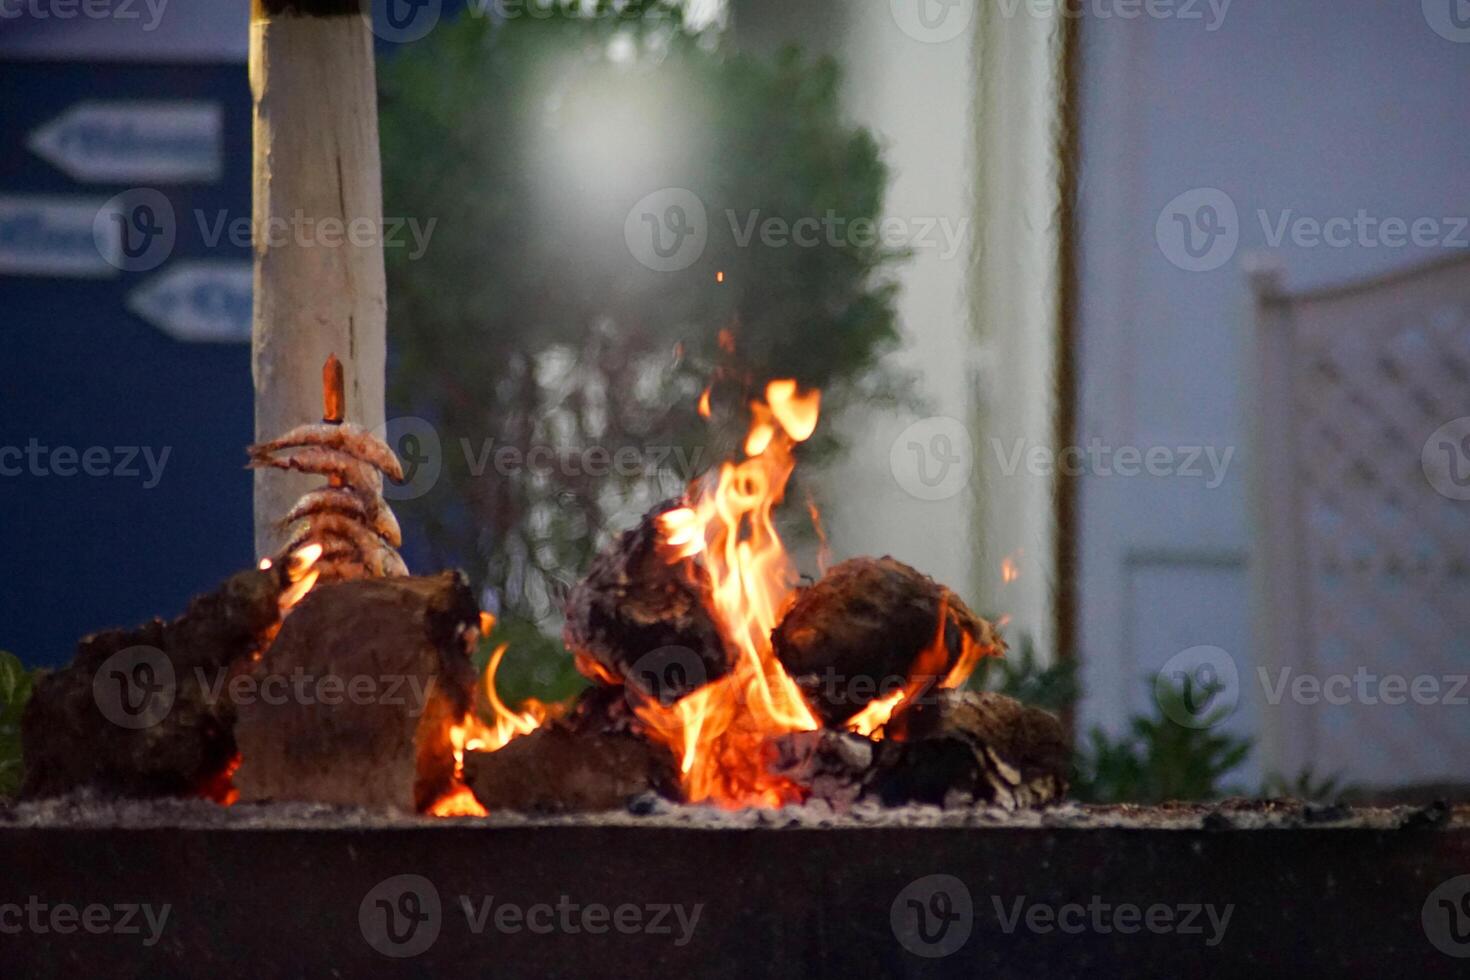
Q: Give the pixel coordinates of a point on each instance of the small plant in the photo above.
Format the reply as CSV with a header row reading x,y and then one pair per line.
x,y
1307,786
1020,675
15,691
1158,759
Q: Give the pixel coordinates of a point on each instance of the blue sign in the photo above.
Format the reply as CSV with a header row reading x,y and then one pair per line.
x,y
198,300
154,142
55,236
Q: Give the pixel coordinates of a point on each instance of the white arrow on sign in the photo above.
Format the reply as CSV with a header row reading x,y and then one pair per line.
x,y
121,142
198,300
56,236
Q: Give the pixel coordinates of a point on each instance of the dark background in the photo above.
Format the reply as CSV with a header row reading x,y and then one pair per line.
x,y
79,369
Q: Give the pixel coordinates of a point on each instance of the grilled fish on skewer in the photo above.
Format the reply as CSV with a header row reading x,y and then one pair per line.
x,y
387,563
327,462
324,526
341,500
353,440
348,518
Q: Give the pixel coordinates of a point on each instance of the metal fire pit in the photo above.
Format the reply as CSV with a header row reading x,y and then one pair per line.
x,y
1258,889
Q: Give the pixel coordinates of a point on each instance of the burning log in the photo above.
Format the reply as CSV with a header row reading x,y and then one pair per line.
x,y
857,635
601,710
377,670
638,620
142,712
556,769
596,756
959,748
831,766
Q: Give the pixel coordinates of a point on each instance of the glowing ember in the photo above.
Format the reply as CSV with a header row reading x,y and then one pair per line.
x,y
1010,570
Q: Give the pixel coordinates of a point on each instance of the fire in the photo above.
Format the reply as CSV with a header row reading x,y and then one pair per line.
x,y
824,550
300,572
875,715
303,576
474,734
717,731
506,724
928,672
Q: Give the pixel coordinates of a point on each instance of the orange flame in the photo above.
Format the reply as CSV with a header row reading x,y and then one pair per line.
x,y
475,735
875,714
507,724
717,731
824,550
923,676
303,576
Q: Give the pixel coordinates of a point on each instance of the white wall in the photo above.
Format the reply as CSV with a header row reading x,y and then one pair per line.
x,y
1324,107
916,97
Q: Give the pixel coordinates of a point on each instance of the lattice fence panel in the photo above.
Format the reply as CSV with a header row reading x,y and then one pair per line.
x,y
1384,584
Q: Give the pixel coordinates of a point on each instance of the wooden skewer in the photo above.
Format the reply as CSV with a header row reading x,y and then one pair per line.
x,y
334,400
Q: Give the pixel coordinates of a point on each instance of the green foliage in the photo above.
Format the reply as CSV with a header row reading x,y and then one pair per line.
x,y
1020,675
534,665
1308,786
15,691
528,322
1158,759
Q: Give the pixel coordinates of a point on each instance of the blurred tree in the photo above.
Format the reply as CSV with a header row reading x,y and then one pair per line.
x,y
529,323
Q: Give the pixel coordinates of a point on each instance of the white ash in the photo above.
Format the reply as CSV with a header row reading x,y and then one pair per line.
x,y
88,810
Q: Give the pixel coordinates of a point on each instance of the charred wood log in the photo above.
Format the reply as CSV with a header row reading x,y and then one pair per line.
x,y
644,622
354,700
556,769
857,634
831,766
145,712
960,748
601,710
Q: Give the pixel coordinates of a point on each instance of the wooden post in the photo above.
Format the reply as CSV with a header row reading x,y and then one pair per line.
x,y
318,215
